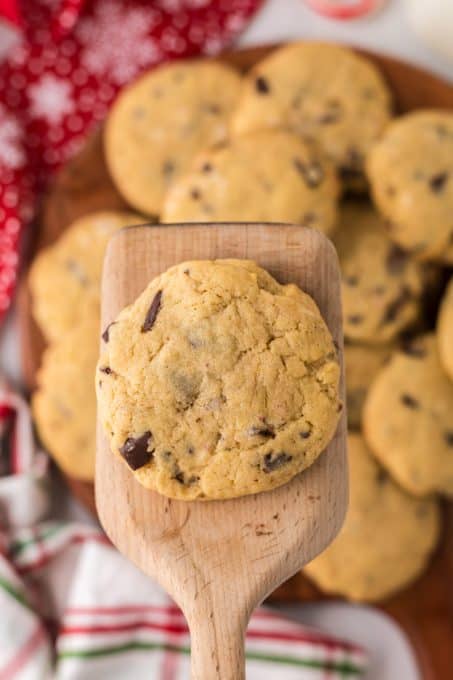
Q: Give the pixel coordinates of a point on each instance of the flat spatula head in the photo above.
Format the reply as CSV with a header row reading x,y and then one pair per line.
x,y
223,557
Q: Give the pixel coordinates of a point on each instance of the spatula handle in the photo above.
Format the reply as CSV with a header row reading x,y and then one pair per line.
x,y
217,646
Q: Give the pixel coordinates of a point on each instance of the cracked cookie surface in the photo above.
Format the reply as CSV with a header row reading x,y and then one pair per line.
x,y
269,176
321,92
218,382
386,539
160,122
407,419
381,285
65,278
411,175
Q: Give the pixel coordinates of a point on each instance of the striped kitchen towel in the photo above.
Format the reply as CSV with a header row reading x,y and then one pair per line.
x,y
63,587
23,494
72,608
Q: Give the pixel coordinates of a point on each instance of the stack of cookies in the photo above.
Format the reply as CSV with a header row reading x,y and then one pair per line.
x,y
65,285
307,136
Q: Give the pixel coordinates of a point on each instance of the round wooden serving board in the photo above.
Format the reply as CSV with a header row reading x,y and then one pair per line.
x,y
425,610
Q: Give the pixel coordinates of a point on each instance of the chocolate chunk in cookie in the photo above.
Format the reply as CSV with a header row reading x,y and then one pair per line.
x,y
135,450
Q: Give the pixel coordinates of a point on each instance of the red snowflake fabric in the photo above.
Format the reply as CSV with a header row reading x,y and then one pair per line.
x,y
59,81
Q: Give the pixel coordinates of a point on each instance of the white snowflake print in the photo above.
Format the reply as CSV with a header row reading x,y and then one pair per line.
x,y
51,99
180,5
11,153
116,40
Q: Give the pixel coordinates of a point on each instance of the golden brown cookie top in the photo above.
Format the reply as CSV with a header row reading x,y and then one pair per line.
x,y
160,122
321,92
64,405
381,284
270,176
411,174
408,419
218,381
65,278
387,536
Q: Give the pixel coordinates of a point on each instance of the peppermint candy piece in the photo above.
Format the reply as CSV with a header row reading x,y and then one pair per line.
x,y
345,9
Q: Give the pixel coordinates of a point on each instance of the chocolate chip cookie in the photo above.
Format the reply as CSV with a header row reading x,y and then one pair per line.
x,y
411,174
322,92
160,122
65,277
381,284
218,382
269,176
64,405
386,539
363,363
445,330
407,419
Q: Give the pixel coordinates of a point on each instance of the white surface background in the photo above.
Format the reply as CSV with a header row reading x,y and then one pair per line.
x,y
387,31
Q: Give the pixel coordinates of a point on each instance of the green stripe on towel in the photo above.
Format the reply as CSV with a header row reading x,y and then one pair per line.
x,y
19,546
15,594
346,668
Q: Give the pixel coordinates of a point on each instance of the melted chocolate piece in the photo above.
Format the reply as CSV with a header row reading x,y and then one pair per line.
x,y
105,335
135,450
332,113
355,319
382,476
153,311
448,436
181,477
273,461
168,168
437,182
410,401
351,280
262,85
195,194
264,431
305,435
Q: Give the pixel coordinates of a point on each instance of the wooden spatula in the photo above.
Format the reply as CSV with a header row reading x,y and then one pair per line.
x,y
220,559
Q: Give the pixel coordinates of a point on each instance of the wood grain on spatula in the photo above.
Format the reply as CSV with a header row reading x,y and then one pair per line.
x,y
219,559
